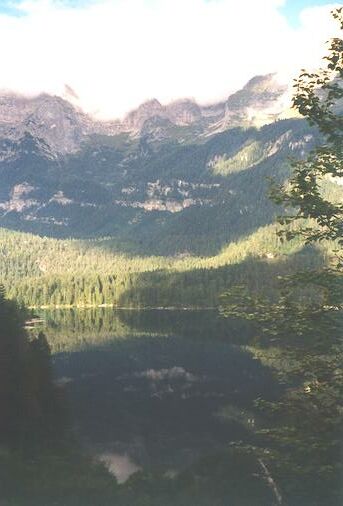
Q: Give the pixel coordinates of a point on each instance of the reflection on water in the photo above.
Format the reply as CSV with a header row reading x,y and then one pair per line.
x,y
121,466
156,390
166,400
70,329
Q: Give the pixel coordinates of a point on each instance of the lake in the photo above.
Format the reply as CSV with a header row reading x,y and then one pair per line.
x,y
165,391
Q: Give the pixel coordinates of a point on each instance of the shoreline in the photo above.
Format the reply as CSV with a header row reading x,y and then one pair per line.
x,y
130,308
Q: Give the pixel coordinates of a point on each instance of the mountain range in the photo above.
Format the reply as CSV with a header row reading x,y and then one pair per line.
x,y
175,178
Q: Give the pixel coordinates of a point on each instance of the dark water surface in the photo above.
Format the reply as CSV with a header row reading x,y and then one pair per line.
x,y
156,390
167,400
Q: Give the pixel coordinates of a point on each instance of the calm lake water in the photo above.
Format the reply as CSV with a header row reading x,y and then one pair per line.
x,y
164,391
159,389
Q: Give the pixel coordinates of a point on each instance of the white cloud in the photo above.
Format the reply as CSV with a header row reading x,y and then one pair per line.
x,y
117,53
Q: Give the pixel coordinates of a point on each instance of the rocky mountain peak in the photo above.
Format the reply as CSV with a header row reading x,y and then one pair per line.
x,y
51,118
63,126
260,91
184,112
56,121
264,83
136,118
260,101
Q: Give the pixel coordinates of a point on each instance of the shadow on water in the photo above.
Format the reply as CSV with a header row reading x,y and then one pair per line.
x,y
161,390
166,400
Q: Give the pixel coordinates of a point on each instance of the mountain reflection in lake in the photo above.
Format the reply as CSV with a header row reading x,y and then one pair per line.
x,y
156,390
176,404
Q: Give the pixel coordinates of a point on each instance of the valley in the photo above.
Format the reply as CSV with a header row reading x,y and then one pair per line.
x,y
164,332
165,209
156,190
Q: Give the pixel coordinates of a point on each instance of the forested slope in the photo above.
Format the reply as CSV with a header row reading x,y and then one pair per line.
x,y
154,198
43,271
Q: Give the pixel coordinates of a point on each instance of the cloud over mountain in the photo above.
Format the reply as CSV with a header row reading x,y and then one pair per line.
x,y
115,54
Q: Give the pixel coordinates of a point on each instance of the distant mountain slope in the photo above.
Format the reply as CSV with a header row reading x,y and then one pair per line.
x,y
64,126
167,179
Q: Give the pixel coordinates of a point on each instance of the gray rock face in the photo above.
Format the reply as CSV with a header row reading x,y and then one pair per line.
x,y
184,112
50,118
58,123
181,113
260,96
64,126
136,119
13,109
213,111
156,128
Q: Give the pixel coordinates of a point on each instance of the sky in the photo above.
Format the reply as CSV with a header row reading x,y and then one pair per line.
x,y
115,54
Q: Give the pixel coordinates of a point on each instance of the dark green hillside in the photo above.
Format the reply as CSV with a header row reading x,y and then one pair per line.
x,y
156,198
53,272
